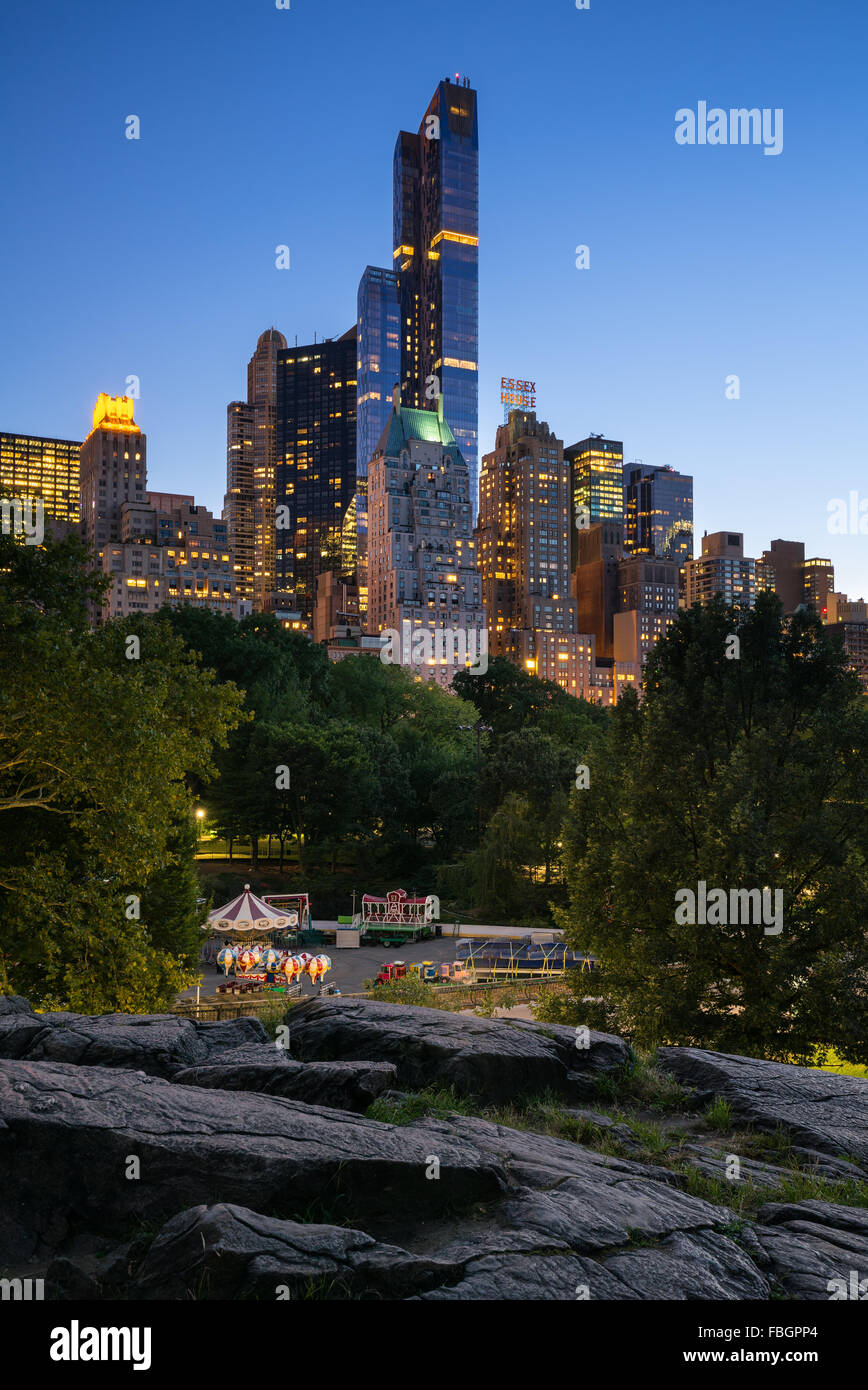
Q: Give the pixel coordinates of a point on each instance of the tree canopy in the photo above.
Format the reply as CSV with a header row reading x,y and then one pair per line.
x,y
742,769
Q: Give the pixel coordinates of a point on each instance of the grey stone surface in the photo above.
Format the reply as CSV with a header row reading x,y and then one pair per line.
x,y
67,1133
229,1251
702,1265
819,1110
158,1044
493,1059
342,1085
810,1245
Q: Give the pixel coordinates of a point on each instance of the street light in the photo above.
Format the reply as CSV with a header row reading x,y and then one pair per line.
x,y
479,728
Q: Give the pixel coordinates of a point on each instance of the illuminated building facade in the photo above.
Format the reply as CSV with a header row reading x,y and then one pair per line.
x,y
523,541
113,470
315,463
436,256
250,502
174,553
422,572
818,583
658,513
723,569
32,466
597,467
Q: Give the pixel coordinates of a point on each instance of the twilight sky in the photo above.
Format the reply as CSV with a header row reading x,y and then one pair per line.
x,y
262,126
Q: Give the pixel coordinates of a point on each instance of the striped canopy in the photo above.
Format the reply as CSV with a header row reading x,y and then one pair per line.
x,y
246,914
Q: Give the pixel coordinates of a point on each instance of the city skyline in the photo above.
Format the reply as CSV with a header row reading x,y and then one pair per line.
x,y
702,261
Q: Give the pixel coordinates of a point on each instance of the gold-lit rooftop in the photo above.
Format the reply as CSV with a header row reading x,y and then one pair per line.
x,y
114,413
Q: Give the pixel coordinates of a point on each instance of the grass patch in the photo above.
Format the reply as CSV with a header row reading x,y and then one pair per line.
x,y
641,1083
718,1115
745,1197
415,1106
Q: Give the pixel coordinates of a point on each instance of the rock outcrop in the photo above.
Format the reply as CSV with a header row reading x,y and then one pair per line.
x,y
154,1158
823,1113
494,1060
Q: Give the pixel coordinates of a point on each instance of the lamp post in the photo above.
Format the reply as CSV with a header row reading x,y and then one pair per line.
x,y
200,816
479,728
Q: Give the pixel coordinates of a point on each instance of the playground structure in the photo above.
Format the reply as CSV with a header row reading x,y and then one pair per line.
x,y
397,918
525,959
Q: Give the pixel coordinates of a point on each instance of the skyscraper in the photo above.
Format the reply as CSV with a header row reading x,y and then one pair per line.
x,y
597,482
379,371
113,470
658,512
32,466
315,463
423,576
249,506
436,256
523,536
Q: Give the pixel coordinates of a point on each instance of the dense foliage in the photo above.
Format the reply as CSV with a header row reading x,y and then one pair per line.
x,y
744,772
97,888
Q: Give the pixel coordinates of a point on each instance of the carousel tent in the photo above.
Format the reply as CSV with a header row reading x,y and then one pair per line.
x,y
247,915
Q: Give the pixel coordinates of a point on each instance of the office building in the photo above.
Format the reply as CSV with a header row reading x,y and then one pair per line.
x,y
32,466
315,463
250,502
423,582
722,569
597,468
658,513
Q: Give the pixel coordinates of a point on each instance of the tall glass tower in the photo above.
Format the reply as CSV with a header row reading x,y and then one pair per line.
x,y
436,255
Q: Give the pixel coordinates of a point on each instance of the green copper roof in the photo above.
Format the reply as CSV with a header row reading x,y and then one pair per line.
x,y
416,424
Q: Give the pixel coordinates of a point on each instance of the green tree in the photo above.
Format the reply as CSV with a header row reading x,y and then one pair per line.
x,y
742,768
100,737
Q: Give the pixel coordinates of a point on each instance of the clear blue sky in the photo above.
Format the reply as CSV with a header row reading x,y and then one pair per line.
x,y
260,127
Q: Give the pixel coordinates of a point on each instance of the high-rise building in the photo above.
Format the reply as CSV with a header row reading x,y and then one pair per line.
x,y
113,470
658,512
32,466
379,359
598,479
250,502
723,569
378,373
648,595
523,538
781,568
423,581
818,582
436,255
315,463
